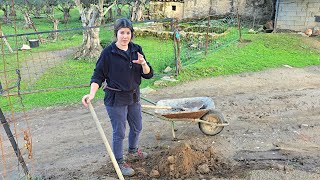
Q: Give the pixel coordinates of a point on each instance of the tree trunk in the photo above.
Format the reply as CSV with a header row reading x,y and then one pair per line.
x,y
138,10
90,48
66,15
110,16
30,25
12,11
27,20
90,16
119,12
37,12
5,14
55,27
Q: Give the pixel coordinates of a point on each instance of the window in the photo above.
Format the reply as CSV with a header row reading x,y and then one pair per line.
x,y
174,8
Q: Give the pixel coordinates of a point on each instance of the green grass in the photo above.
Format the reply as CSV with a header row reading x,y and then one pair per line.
x,y
154,51
263,52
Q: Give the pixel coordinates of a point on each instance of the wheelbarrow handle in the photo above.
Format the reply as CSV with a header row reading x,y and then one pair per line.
x,y
165,107
157,107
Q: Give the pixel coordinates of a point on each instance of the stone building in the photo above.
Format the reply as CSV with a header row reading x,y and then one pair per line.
x,y
298,15
261,9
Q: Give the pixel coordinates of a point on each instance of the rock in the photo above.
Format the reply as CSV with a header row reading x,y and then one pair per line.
x,y
211,150
195,46
308,32
269,25
158,136
171,167
315,31
187,146
261,29
302,33
142,171
207,154
147,90
167,78
204,169
168,69
288,168
287,66
303,125
154,173
183,34
171,159
159,83
251,31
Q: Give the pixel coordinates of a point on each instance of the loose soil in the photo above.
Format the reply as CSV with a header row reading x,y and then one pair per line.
x,y
274,133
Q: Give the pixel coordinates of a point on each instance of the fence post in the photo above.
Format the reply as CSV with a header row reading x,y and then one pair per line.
x,y
239,25
13,142
177,48
3,158
207,35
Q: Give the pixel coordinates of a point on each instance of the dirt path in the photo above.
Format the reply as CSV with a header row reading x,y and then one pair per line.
x,y
37,63
274,133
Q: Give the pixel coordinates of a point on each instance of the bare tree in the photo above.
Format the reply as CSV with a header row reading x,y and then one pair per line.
x,y
91,13
4,6
27,7
138,10
50,13
65,6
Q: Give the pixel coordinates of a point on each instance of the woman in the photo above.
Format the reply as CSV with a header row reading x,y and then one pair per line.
x,y
121,65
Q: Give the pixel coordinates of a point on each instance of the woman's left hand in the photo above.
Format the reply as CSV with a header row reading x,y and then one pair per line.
x,y
140,60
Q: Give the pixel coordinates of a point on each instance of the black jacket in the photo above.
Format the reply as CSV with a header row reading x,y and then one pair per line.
x,y
120,74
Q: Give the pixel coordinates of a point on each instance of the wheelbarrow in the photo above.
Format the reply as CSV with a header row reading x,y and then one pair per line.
x,y
196,109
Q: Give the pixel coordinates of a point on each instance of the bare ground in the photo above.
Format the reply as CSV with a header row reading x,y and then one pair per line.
x,y
274,133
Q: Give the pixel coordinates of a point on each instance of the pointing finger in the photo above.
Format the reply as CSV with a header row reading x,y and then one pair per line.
x,y
140,55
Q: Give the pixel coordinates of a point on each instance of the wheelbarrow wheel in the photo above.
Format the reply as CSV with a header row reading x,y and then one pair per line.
x,y
213,117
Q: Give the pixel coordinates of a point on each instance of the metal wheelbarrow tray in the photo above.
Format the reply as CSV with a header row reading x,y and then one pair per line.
x,y
196,109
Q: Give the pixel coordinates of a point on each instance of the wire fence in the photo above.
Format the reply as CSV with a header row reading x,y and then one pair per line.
x,y
206,36
35,62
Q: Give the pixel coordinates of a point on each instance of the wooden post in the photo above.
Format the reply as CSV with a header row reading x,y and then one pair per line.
x,y
3,158
239,25
207,35
177,36
13,143
177,48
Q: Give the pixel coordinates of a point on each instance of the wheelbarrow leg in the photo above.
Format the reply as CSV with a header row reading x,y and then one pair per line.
x,y
173,129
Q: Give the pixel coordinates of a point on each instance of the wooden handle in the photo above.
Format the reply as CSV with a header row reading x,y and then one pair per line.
x,y
105,141
156,107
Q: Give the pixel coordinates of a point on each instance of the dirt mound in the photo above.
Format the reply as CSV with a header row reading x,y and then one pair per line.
x,y
183,161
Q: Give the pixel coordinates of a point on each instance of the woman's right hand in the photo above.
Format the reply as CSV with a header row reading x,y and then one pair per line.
x,y
87,99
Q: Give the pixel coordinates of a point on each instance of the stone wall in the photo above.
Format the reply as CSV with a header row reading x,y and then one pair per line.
x,y
196,8
298,15
261,9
